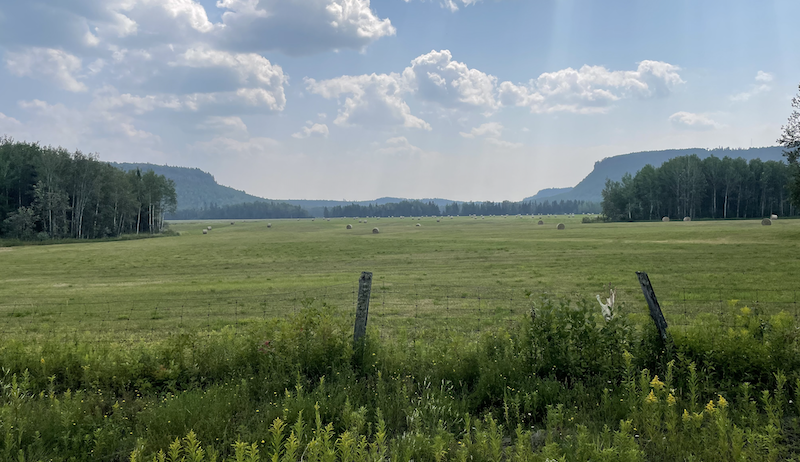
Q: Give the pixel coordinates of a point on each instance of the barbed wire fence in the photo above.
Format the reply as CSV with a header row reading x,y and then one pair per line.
x,y
408,310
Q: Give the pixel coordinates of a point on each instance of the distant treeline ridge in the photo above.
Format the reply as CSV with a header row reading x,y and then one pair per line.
x,y
246,211
687,186
417,208
50,193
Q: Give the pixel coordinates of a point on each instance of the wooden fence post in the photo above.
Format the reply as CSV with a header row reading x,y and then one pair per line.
x,y
362,309
652,302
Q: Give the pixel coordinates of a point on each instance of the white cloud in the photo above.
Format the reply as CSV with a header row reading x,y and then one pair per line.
x,y
312,129
453,5
689,120
231,125
434,77
371,100
491,133
761,86
252,70
398,145
590,89
493,129
189,11
762,76
503,144
48,63
301,26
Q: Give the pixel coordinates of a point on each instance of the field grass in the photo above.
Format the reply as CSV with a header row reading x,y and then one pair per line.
x,y
249,271
113,350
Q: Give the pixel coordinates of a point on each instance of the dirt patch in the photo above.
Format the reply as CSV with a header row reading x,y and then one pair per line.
x,y
6,249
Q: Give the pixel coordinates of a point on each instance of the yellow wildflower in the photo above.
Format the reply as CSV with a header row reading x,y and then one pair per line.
x,y
671,400
686,416
710,407
722,402
651,398
657,384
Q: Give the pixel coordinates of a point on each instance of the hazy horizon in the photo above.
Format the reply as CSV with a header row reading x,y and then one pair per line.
x,y
453,99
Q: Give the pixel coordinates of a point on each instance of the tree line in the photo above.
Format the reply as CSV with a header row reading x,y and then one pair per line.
x,y
419,208
688,186
51,193
247,211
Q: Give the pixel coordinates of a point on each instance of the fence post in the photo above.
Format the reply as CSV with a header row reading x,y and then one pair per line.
x,y
652,302
362,309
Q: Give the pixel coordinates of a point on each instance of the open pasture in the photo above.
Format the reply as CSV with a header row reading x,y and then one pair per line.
x,y
469,271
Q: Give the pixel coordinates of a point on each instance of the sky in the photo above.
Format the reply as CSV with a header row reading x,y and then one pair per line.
x,y
359,99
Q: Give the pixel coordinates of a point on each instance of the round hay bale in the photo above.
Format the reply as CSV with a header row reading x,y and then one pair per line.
x,y
766,222
540,222
438,220
209,228
418,225
329,219
233,223
561,226
773,217
375,231
205,231
687,218
665,219
269,225
312,219
349,226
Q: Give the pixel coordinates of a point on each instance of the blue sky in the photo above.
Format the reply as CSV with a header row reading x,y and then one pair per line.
x,y
352,99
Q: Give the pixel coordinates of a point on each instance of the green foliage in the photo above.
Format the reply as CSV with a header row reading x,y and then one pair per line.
x,y
562,385
49,193
687,186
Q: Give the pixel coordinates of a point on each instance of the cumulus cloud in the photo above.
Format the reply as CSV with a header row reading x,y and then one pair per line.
x,y
761,86
375,99
590,89
54,65
435,77
252,70
301,26
312,129
692,121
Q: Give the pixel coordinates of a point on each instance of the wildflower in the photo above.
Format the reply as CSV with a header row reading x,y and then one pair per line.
x,y
722,402
710,407
42,360
657,384
671,401
686,416
651,398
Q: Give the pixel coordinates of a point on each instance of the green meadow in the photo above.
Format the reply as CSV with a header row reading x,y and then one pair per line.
x,y
248,271
485,343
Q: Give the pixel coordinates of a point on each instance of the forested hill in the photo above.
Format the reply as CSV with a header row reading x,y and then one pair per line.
x,y
195,188
591,188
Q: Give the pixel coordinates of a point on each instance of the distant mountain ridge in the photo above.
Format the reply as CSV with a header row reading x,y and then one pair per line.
x,y
591,187
197,189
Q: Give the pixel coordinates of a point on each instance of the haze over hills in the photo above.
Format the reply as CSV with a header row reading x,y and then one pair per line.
x,y
591,187
197,189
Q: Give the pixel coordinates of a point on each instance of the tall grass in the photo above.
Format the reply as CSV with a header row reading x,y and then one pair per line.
x,y
559,384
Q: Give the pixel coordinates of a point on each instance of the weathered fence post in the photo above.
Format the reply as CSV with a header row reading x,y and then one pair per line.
x,y
362,309
652,302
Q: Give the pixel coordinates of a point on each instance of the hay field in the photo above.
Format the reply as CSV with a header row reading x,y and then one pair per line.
x,y
469,271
